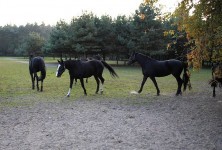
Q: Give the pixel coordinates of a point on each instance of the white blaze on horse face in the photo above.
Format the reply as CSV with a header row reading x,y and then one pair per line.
x,y
57,70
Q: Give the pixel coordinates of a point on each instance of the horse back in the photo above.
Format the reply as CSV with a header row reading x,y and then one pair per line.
x,y
163,68
37,64
85,69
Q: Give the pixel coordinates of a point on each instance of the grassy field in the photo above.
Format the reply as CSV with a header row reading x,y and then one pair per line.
x,y
15,84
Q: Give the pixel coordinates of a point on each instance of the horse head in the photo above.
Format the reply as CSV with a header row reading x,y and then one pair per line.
x,y
61,68
132,58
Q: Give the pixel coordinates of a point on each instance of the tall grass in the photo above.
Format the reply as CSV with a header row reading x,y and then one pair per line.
x,y
15,85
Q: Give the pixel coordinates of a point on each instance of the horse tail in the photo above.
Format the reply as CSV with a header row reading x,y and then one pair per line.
x,y
43,74
111,70
43,70
186,76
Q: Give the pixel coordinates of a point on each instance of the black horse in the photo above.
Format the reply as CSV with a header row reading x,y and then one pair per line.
x,y
153,68
37,64
84,69
216,77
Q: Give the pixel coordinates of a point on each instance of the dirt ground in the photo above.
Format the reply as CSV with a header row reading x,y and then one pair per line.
x,y
189,122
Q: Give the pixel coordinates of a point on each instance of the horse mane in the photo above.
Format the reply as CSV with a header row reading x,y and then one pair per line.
x,y
145,56
69,63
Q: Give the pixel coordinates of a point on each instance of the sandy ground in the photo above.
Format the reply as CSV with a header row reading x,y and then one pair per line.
x,y
188,122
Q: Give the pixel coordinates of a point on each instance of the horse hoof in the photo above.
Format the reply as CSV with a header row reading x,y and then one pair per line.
x,y
67,95
134,92
179,94
101,92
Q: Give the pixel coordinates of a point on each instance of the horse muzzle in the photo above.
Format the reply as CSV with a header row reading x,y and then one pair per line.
x,y
129,62
58,75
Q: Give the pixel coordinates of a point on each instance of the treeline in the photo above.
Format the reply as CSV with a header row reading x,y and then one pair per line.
x,y
13,39
89,34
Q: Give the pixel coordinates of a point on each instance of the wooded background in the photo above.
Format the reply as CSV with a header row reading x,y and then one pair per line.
x,y
195,28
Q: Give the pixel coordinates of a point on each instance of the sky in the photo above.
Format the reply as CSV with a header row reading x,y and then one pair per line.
x,y
21,12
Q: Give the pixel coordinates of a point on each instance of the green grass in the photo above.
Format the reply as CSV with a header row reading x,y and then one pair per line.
x,y
15,85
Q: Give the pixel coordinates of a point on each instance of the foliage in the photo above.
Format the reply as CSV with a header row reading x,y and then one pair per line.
x,y
202,22
84,33
13,38
148,29
58,41
33,44
88,34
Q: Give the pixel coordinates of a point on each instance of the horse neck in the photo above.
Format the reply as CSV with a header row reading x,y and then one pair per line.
x,y
68,64
142,59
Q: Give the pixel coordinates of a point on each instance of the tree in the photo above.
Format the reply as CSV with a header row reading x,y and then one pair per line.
x,y
122,31
148,30
8,39
202,22
84,31
105,37
33,44
59,40
13,38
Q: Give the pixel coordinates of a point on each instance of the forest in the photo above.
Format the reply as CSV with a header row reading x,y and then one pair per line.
x,y
194,29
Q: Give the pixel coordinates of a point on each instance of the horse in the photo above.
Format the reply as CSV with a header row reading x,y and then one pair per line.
x,y
153,68
84,69
37,64
216,77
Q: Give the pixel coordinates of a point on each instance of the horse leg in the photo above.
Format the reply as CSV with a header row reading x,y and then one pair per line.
x,y
155,83
214,93
189,84
142,84
70,86
33,81
75,81
82,84
179,82
97,82
37,80
101,83
41,85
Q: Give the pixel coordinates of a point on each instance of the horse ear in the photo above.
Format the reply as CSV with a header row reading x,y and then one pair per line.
x,y
58,61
